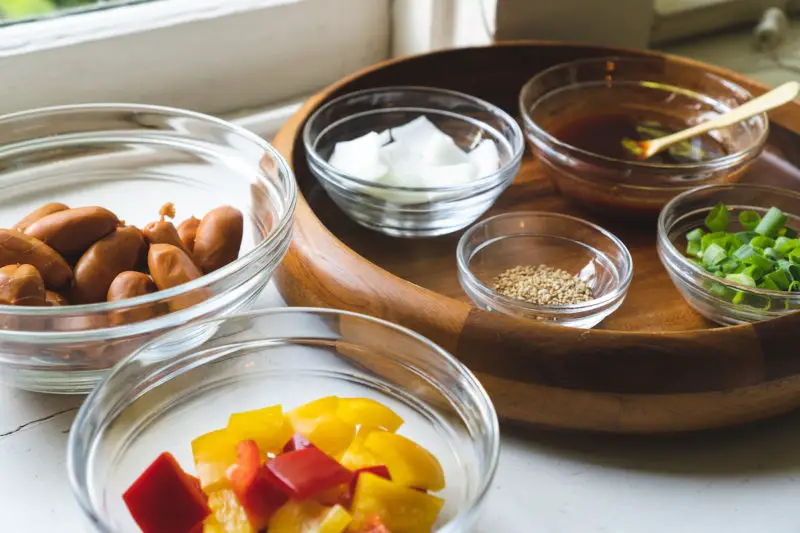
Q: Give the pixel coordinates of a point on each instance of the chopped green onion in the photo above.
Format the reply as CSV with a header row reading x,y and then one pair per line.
x,y
793,271
718,289
749,219
695,235
719,218
744,252
772,222
714,255
761,262
729,265
693,248
773,254
731,243
741,279
746,236
753,271
779,278
762,242
766,254
710,238
785,245
768,284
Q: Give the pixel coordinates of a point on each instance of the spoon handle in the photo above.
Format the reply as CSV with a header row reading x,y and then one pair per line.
x,y
774,98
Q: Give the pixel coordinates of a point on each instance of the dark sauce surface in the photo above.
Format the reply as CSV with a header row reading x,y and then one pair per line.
x,y
604,135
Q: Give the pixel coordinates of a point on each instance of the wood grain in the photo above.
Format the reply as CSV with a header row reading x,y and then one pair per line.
x,y
653,366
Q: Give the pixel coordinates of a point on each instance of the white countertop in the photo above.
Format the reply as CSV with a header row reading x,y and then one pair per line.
x,y
736,481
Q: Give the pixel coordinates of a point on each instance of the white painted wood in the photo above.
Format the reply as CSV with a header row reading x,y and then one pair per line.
x,y
682,19
614,23
413,26
738,481
212,56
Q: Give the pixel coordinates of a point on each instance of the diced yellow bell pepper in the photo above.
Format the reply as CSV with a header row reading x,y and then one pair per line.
x,y
402,509
212,526
228,513
336,520
333,495
409,464
313,410
357,456
331,435
213,453
309,517
268,427
318,422
368,413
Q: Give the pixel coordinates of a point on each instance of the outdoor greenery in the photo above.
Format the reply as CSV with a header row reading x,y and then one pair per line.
x,y
23,9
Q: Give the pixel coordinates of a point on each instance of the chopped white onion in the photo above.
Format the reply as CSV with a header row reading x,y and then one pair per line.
x,y
360,157
486,157
384,137
416,155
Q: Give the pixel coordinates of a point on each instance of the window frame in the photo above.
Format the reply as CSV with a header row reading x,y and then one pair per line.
x,y
179,53
96,55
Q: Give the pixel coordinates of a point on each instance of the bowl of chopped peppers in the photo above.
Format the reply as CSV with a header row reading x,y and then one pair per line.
x,y
733,251
286,421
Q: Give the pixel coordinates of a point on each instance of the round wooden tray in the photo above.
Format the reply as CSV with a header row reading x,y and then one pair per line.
x,y
653,366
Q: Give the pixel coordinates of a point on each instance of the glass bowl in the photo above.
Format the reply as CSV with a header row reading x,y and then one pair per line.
x,y
132,159
666,90
190,380
410,211
709,295
594,255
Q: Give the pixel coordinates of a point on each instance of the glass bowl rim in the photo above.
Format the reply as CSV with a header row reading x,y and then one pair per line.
x,y
517,144
727,161
674,254
590,306
76,459
270,241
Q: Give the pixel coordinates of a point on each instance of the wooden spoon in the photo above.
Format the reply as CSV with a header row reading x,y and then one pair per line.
x,y
774,98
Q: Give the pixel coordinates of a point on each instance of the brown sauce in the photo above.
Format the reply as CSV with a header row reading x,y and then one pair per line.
x,y
604,135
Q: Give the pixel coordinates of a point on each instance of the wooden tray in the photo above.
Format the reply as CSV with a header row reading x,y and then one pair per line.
x,y
653,366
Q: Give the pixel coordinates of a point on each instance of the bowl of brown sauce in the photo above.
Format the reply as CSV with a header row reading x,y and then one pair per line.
x,y
582,118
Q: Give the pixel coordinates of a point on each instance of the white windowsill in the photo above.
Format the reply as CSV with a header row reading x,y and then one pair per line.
x,y
119,21
203,55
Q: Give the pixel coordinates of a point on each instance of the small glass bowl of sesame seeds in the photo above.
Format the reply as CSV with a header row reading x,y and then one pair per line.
x,y
544,266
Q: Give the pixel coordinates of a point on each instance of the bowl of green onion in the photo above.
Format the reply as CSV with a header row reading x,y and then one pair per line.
x,y
733,251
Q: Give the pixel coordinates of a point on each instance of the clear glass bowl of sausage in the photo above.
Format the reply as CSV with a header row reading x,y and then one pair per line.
x,y
120,222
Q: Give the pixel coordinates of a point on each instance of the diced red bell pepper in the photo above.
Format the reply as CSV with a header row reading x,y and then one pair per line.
x,y
164,499
297,442
303,473
253,485
196,482
379,470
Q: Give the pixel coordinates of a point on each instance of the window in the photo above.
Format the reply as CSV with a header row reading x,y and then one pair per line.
x,y
209,55
632,23
235,58
681,19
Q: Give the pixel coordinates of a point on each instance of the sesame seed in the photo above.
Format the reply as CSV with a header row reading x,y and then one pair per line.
x,y
542,285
